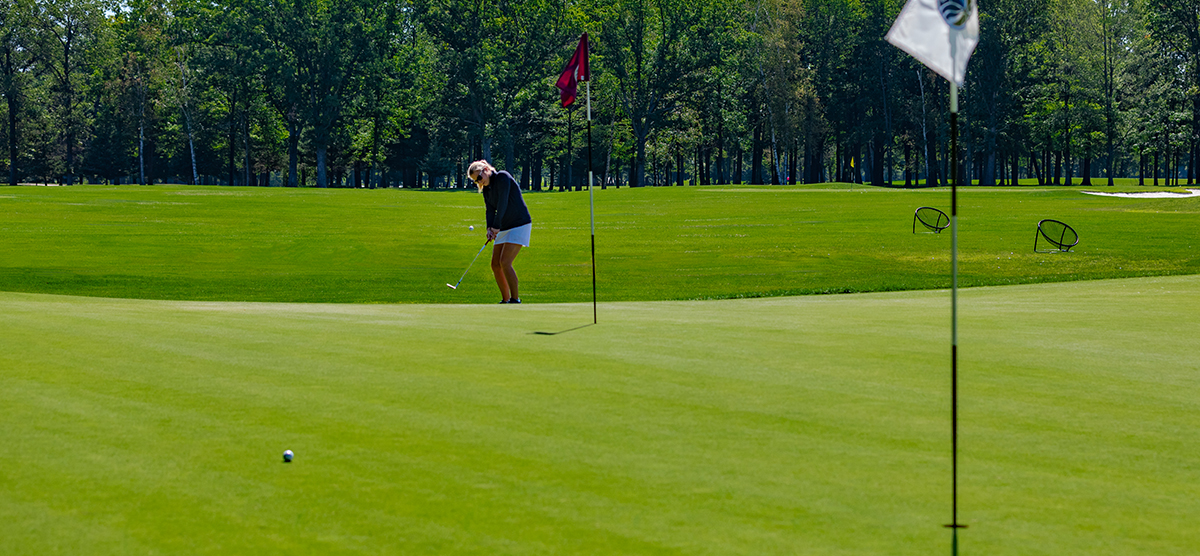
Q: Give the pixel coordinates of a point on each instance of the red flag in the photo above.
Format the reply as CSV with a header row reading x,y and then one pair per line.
x,y
576,71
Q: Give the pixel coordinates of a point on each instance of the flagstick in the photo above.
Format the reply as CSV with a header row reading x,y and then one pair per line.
x,y
954,524
591,198
570,146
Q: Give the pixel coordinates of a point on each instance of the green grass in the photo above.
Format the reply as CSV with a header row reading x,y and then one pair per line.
x,y
780,425
389,246
802,425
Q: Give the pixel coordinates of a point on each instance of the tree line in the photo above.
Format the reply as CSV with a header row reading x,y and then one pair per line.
x,y
385,93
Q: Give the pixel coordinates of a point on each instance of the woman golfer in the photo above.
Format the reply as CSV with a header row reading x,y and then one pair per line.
x,y
508,223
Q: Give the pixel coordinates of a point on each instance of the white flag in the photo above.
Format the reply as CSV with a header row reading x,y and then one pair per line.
x,y
939,33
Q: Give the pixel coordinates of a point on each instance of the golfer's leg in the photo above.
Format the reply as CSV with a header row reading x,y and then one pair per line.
x,y
510,274
498,271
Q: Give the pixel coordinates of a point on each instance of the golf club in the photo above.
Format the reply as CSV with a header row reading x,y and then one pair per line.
x,y
455,286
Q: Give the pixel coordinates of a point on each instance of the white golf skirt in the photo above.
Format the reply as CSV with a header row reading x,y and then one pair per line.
x,y
518,235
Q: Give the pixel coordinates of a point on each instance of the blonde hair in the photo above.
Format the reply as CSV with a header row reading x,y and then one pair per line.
x,y
477,168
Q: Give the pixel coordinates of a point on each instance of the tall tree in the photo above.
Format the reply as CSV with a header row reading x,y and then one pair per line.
x,y
140,26
16,60
67,29
1116,36
657,50
1176,25
832,33
1001,72
313,53
497,57
784,84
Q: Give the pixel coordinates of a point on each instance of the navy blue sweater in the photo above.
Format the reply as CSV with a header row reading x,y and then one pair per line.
x,y
505,207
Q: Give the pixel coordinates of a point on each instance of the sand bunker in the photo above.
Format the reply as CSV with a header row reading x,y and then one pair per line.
x,y
1150,195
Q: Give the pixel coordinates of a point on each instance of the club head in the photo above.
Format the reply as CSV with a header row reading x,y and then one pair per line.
x,y
451,286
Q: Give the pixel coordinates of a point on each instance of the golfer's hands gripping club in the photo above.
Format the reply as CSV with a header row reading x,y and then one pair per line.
x,y
492,233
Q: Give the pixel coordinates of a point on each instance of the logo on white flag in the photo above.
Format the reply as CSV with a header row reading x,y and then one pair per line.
x,y
939,33
955,12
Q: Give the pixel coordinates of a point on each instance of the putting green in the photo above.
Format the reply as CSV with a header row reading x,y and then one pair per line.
x,y
796,425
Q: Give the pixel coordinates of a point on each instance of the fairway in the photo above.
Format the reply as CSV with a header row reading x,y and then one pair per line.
x,y
668,243
797,425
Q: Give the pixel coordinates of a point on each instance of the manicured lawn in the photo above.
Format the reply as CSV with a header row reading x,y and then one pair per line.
x,y
388,246
800,425
159,354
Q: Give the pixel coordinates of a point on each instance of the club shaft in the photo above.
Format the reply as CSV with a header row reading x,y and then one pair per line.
x,y
485,244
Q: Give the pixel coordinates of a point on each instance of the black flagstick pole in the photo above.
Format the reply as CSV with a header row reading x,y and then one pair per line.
x,y
954,524
570,145
591,195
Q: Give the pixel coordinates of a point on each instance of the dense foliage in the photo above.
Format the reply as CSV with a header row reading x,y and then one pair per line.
x,y
367,93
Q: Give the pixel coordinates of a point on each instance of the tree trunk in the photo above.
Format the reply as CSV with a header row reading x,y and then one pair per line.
x,y
1195,129
525,175
989,168
1155,168
1035,169
706,166
1016,168
191,146
539,172
722,163
839,163
639,165
756,149
293,152
774,157
142,138
607,168
232,141
1046,162
1002,168
633,172
907,165
679,168
1192,161
1067,170
1173,170
774,161
322,171
247,170
877,163
12,138
69,105
812,160
792,163
737,164
931,160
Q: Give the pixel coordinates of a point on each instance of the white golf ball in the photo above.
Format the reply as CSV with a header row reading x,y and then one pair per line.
x,y
472,228
287,455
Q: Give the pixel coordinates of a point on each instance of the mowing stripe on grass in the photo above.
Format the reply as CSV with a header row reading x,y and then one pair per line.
x,y
403,246
812,425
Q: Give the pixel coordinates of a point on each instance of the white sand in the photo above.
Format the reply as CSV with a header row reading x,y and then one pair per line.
x,y
1150,195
